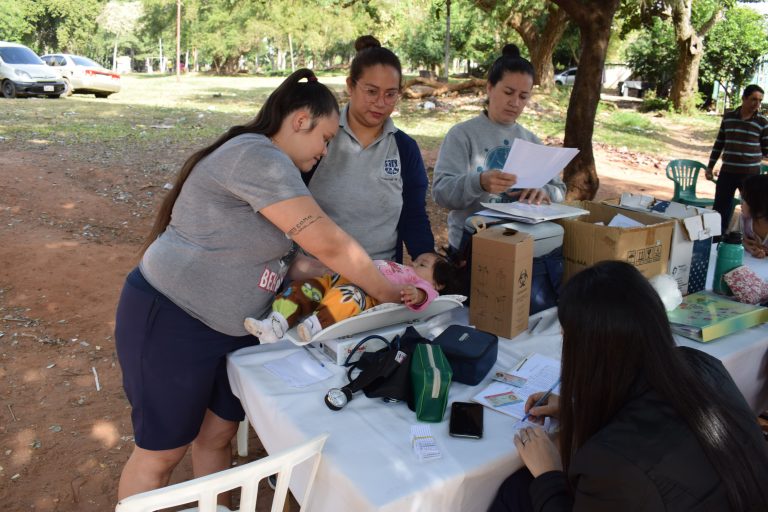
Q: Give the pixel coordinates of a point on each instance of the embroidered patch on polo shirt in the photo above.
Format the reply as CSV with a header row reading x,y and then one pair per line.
x,y
392,166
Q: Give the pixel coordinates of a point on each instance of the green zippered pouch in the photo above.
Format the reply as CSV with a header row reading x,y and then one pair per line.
x,y
431,378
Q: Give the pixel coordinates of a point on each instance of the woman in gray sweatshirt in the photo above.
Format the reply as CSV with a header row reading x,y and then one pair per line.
x,y
468,169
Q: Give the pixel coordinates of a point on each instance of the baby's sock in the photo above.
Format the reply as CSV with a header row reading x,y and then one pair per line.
x,y
268,330
309,327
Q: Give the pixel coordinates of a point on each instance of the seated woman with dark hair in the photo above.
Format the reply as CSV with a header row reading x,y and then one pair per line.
x,y
645,425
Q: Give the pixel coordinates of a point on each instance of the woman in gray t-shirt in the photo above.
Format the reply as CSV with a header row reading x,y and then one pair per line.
x,y
225,238
467,171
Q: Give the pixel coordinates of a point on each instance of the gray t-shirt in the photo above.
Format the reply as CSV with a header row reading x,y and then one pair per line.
x,y
220,259
470,148
361,189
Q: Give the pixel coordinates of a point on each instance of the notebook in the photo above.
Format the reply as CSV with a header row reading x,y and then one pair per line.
x,y
705,316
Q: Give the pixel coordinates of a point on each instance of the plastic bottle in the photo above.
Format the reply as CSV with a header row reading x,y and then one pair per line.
x,y
730,254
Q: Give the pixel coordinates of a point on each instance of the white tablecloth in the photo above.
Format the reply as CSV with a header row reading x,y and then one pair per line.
x,y
368,464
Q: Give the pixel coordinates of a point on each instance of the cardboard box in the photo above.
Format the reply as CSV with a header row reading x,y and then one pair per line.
x,y
589,239
691,238
502,269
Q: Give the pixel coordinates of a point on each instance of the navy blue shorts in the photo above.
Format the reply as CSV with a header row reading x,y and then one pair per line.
x,y
174,367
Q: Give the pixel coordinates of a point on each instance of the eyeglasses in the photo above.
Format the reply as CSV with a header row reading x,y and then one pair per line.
x,y
372,94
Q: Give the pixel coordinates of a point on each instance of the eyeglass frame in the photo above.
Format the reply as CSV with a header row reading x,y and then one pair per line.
x,y
371,98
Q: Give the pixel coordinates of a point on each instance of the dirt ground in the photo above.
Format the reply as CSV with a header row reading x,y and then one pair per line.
x,y
70,226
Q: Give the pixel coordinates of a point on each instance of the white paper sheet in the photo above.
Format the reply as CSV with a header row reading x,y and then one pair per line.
x,y
541,373
533,213
622,221
536,164
299,369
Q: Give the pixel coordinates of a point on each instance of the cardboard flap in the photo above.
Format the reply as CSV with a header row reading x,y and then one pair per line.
x,y
712,223
640,201
679,211
701,227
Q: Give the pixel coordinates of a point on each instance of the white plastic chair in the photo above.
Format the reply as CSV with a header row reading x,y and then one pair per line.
x,y
204,490
242,438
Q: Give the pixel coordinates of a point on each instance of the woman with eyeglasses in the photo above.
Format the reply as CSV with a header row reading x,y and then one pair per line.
x,y
372,182
468,168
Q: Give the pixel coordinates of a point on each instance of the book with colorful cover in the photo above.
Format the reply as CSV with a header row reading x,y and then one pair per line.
x,y
704,316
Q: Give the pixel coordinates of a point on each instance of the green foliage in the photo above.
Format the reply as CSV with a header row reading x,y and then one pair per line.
x,y
734,47
14,25
654,104
567,51
652,55
62,25
423,45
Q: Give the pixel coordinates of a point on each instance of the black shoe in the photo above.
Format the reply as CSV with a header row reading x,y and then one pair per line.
x,y
272,482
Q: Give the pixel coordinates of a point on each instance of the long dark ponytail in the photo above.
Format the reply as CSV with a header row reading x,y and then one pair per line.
x,y
615,329
290,96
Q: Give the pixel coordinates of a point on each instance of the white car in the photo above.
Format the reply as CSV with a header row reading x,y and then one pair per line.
x,y
566,77
84,76
22,73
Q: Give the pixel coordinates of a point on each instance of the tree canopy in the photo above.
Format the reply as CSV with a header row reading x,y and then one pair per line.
x,y
682,46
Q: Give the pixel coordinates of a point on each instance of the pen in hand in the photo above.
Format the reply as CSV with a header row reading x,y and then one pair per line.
x,y
541,401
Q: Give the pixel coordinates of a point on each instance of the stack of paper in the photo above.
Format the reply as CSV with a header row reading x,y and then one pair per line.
x,y
530,213
423,443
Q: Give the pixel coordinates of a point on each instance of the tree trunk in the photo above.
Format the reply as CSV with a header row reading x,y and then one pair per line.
x,y
541,42
541,52
290,47
114,56
594,18
690,50
686,82
434,88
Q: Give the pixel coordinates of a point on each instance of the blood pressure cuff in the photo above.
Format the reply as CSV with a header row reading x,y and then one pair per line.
x,y
386,373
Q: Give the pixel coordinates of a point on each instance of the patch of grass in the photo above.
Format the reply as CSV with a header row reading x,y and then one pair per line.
x,y
155,110
629,129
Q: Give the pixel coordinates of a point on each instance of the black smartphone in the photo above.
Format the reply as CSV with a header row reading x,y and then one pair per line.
x,y
466,420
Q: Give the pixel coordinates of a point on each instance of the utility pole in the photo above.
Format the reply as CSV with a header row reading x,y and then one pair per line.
x,y
447,61
178,40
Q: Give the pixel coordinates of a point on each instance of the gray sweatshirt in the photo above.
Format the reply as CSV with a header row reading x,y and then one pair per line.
x,y
470,148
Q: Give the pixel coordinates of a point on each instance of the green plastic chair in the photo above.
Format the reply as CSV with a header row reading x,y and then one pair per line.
x,y
684,174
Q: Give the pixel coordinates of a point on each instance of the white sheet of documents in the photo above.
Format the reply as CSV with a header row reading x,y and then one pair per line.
x,y
299,369
536,164
533,213
423,443
622,221
540,372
